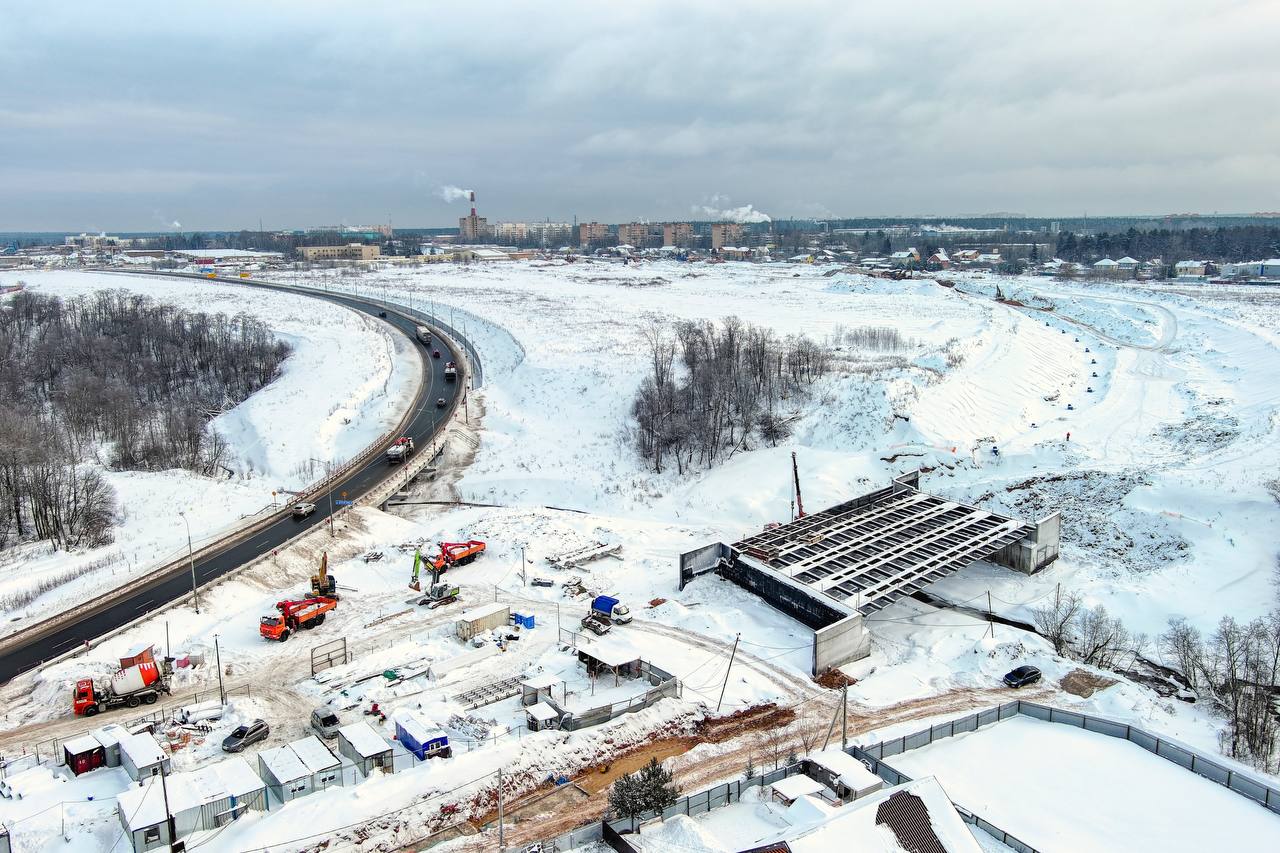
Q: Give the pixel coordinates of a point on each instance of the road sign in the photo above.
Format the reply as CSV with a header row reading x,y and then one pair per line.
x,y
343,503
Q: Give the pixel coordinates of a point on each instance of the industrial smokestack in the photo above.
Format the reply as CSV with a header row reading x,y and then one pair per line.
x,y
473,202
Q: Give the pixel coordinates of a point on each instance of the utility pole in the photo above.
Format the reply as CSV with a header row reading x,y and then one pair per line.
x,y
502,829
168,815
217,652
732,655
844,717
168,648
991,625
523,580
192,561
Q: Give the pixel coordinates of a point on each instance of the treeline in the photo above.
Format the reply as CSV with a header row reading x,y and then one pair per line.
x,y
1242,243
115,377
711,389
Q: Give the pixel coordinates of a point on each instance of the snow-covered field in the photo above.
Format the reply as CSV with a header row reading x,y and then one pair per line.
x,y
1061,788
347,381
1164,486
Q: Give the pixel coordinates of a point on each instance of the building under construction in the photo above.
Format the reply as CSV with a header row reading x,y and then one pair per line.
x,y
832,568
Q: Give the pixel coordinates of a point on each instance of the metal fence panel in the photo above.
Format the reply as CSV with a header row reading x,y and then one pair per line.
x,y
967,724
1176,754
991,715
1036,711
1143,739
1212,771
1106,727
917,740
1069,718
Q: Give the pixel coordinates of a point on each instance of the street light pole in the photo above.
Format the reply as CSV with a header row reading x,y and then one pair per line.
x,y
191,560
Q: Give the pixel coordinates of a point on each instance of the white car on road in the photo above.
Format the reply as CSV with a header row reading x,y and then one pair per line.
x,y
302,509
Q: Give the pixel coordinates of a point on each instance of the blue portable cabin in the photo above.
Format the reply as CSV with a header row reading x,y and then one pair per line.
x,y
422,738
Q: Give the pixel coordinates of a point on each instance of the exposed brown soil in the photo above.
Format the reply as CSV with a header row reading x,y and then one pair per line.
x,y
1084,684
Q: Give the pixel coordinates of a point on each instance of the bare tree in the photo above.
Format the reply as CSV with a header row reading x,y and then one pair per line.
x,y
1056,619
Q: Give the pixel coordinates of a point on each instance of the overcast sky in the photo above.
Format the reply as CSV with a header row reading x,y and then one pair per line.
x,y
136,116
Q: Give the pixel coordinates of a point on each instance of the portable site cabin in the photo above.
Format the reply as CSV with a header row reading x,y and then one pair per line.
x,y
477,620
82,754
141,756
842,773
422,738
298,769
537,688
200,800
109,736
541,717
617,658
361,744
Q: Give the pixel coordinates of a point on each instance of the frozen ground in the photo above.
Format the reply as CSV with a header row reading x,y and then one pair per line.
x,y
1163,485
347,381
1061,788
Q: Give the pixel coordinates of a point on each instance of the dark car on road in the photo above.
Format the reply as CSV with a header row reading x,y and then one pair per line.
x,y
245,735
1022,676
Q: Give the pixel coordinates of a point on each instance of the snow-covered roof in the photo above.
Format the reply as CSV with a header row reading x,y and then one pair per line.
x,y
81,744
109,735
542,712
1127,260
143,806
609,653
852,772
482,611
237,776
1106,262
142,749
794,787
364,739
314,754
860,824
226,253
541,680
1185,264
417,728
283,763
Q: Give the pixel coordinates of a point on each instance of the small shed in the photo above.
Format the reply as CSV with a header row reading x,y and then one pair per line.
x,y
298,769
109,736
537,688
365,748
842,773
141,756
792,788
422,738
477,620
200,800
614,657
82,754
542,716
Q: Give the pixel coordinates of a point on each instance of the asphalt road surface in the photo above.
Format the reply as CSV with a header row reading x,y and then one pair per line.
x,y
44,645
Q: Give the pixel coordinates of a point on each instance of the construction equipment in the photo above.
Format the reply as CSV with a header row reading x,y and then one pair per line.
x,y
414,583
440,594
457,553
139,680
323,583
795,473
296,616
400,451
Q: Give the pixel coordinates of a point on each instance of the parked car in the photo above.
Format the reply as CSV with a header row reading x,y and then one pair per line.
x,y
245,735
325,722
542,582
302,509
1022,676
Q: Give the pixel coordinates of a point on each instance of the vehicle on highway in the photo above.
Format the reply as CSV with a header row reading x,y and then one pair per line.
x,y
435,353
1022,676
325,722
244,736
382,314
440,404
302,509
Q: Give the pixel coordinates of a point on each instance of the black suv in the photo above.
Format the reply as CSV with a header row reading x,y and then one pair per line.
x,y
1022,676
245,735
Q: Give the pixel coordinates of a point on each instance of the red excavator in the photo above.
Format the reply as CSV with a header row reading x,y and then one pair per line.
x,y
296,616
457,554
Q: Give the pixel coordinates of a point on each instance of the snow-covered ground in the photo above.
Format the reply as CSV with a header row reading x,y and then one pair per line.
x,y
1056,787
348,380
1163,485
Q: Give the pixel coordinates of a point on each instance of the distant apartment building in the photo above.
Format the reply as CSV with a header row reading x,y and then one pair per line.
x,y
639,234
511,231
349,252
677,234
97,242
472,228
725,234
592,232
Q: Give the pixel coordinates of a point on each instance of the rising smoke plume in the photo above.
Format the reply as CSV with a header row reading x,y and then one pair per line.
x,y
452,193
719,211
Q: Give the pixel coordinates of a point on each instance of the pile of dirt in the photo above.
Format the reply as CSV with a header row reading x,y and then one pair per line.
x,y
765,717
834,679
1084,684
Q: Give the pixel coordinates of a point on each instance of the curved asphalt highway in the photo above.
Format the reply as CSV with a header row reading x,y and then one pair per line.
x,y
26,650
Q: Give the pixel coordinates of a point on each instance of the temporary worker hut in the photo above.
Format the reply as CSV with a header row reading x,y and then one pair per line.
x,y
542,716
298,769
480,619
109,736
361,744
537,688
422,738
614,657
200,800
141,756
842,773
83,754
792,788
